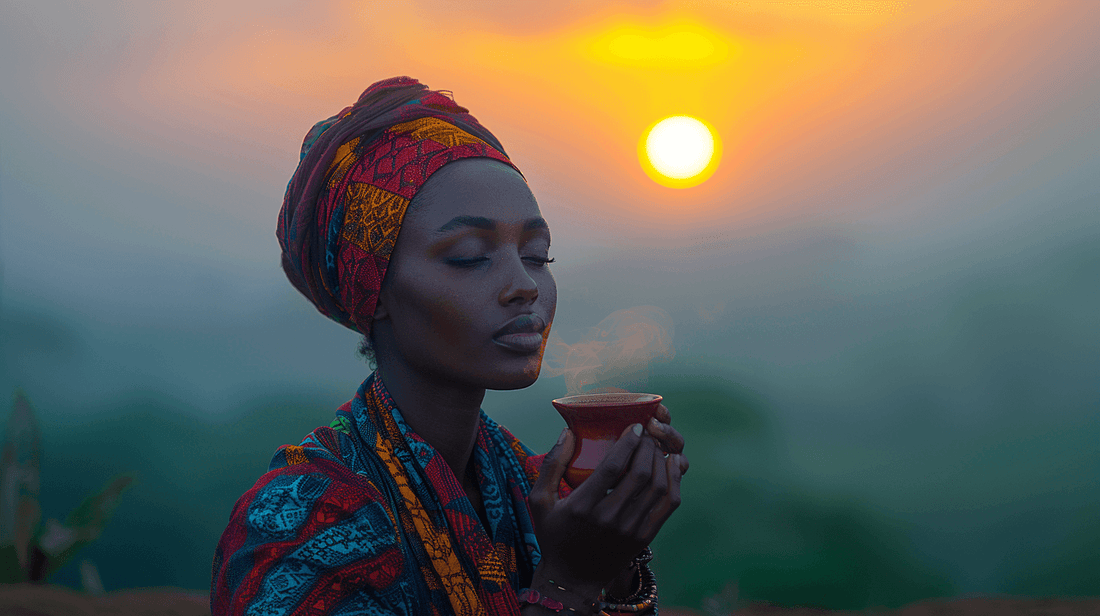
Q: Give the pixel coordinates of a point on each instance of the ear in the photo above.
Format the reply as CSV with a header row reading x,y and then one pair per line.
x,y
380,310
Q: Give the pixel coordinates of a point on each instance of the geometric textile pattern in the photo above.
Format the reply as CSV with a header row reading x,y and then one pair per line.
x,y
446,135
369,189
294,455
375,522
372,218
343,209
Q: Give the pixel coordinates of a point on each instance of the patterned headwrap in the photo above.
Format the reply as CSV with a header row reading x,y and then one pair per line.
x,y
358,171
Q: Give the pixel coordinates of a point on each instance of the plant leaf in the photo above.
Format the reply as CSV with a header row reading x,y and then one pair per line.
x,y
89,518
25,526
56,538
10,571
89,578
19,478
83,525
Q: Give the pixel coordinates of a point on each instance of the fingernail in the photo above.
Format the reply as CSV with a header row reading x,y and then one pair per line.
x,y
656,425
637,429
561,437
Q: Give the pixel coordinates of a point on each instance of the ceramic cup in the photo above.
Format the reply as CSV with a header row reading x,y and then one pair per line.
x,y
597,421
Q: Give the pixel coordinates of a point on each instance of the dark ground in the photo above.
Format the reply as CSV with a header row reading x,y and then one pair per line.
x,y
55,600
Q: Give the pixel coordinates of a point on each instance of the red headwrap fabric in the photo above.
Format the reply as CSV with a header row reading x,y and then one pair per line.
x,y
358,171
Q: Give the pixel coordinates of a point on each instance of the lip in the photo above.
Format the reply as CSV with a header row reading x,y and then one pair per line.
x,y
524,343
522,334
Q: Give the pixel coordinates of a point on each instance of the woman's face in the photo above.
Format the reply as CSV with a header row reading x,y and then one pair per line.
x,y
470,259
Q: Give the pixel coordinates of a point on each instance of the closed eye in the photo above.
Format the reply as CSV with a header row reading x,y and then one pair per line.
x,y
467,262
474,262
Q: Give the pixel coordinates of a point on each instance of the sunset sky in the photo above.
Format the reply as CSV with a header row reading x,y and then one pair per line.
x,y
850,112
141,138
869,147
906,203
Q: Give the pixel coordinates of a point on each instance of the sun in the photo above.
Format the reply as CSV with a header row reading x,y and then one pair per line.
x,y
679,151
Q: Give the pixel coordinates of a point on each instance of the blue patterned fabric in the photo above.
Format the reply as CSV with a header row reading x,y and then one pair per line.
x,y
365,517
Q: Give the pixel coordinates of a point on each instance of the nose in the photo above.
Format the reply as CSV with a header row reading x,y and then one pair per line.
x,y
519,286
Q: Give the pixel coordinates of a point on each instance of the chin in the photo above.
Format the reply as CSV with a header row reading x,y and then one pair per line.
x,y
521,379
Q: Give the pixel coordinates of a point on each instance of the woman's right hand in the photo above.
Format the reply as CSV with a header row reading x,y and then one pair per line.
x,y
590,537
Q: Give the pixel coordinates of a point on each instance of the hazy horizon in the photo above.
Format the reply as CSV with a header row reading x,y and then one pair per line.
x,y
898,253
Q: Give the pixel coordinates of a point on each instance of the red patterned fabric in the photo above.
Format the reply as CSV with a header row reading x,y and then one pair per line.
x,y
365,517
359,170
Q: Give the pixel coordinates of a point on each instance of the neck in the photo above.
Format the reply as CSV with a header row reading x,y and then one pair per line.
x,y
446,415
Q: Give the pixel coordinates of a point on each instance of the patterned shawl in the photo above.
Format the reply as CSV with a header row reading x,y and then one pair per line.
x,y
365,517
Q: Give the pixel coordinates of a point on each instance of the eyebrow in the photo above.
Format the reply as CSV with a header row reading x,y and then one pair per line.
x,y
480,222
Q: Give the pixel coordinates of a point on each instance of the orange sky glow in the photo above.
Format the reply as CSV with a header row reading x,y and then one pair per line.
x,y
821,107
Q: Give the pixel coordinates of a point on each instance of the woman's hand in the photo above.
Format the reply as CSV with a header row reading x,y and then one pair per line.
x,y
671,441
589,537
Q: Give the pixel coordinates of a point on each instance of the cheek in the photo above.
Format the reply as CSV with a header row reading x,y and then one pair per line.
x,y
431,316
548,293
449,322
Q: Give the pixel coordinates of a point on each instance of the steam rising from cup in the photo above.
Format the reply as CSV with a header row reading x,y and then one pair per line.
x,y
616,352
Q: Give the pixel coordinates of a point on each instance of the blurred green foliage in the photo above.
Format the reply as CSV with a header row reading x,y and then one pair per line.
x,y
749,520
30,551
192,472
745,522
1069,568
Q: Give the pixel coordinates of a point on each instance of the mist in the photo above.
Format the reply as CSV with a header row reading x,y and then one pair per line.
x,y
904,345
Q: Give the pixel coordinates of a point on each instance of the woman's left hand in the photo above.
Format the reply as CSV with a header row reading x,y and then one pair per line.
x,y
668,438
671,442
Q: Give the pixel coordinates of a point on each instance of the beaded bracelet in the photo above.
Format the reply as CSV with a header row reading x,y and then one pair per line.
x,y
532,596
645,597
528,595
607,597
643,557
642,600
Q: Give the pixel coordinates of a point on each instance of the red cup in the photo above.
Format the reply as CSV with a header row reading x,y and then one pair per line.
x,y
597,420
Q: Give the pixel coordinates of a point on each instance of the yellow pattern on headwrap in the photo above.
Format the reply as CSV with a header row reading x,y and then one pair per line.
x,y
372,218
443,133
344,159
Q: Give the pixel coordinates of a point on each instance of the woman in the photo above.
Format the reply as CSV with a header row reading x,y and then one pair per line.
x,y
413,501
